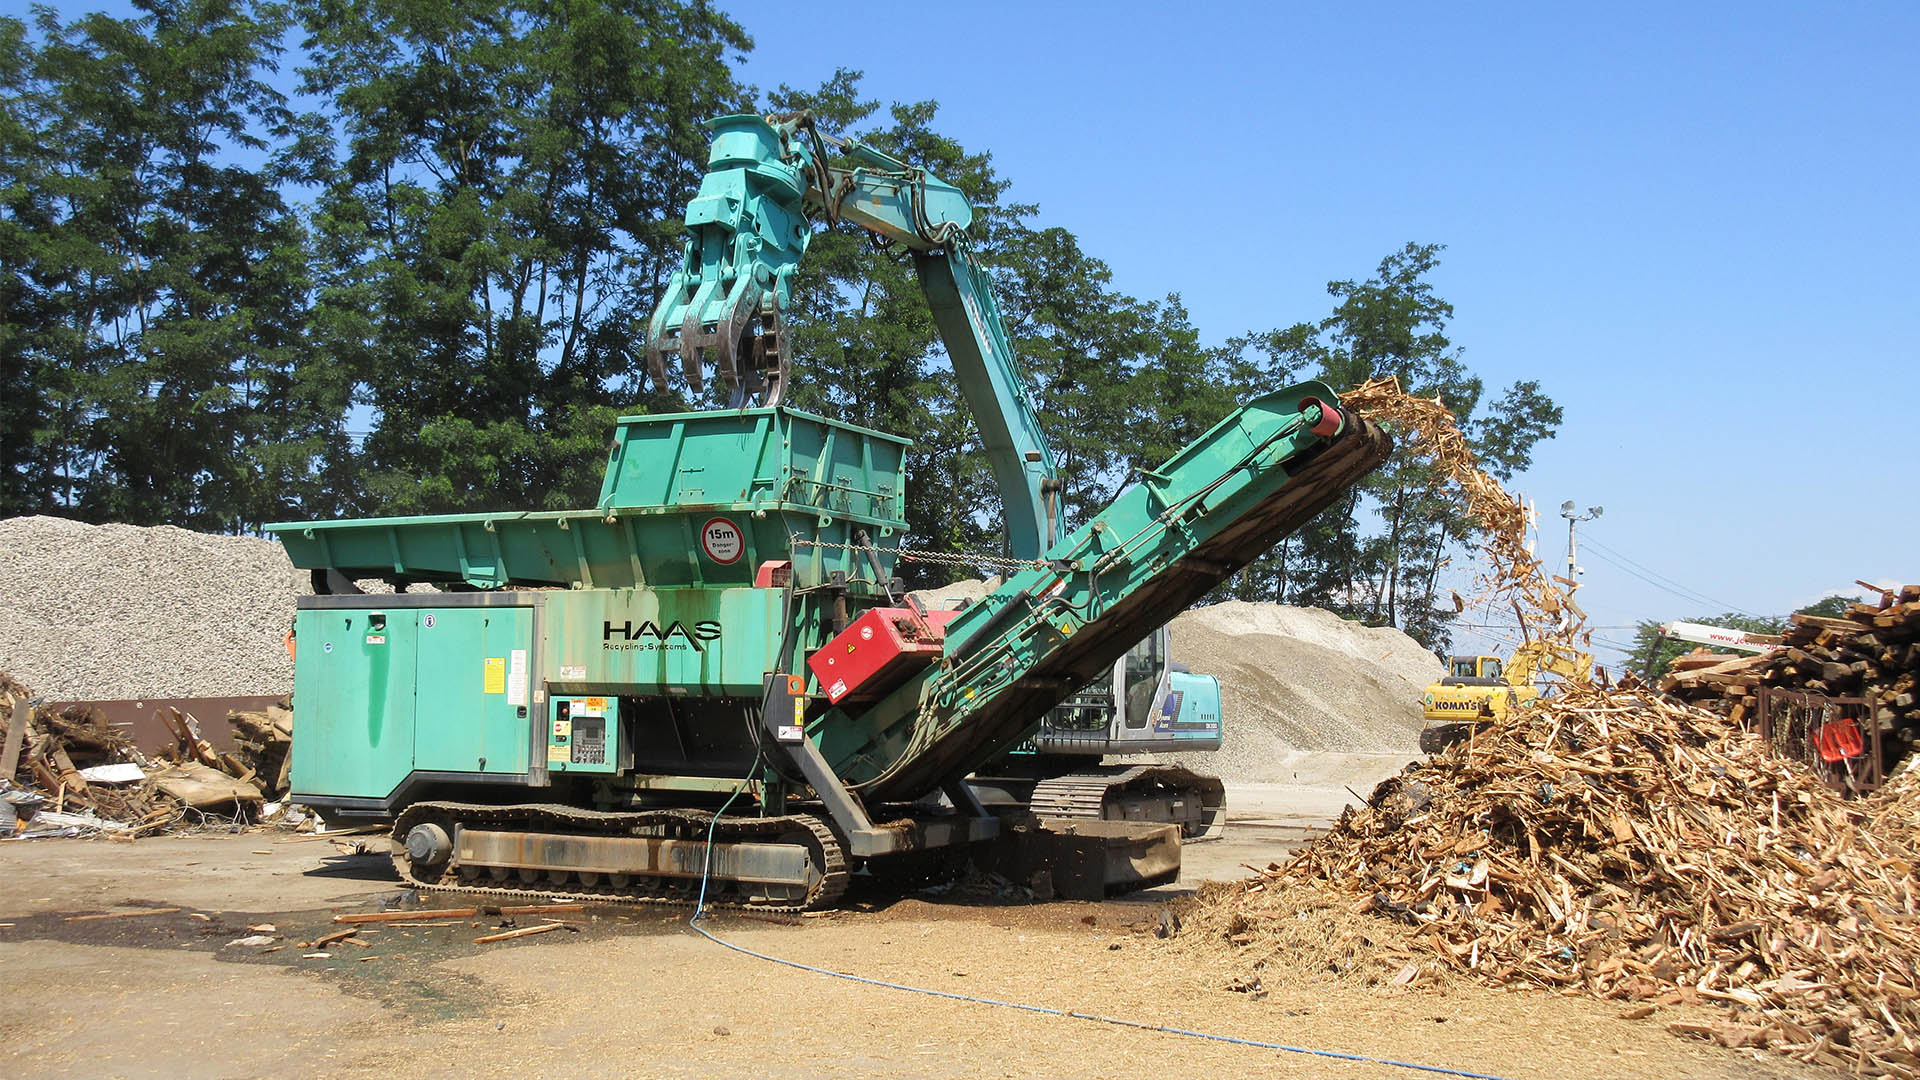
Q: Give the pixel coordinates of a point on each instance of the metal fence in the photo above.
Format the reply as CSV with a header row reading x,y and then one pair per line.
x,y
1837,737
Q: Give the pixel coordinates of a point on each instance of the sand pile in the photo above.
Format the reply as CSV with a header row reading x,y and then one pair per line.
x,y
1294,679
119,611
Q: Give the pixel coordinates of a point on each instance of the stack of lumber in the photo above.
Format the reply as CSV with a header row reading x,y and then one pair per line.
x,y
1874,651
1618,843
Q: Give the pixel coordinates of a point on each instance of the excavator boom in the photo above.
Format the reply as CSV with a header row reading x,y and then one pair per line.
x,y
748,230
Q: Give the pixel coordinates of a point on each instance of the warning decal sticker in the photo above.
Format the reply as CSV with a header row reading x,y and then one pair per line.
x,y
722,540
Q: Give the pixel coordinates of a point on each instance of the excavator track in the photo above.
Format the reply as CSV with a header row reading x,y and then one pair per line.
x,y
1109,792
825,856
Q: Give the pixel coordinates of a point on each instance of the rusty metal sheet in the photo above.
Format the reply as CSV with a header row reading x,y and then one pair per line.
x,y
137,717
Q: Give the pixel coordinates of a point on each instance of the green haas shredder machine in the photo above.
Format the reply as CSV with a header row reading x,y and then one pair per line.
x,y
568,713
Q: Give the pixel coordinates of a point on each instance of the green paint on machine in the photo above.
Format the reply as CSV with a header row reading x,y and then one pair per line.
x,y
689,500
390,690
718,642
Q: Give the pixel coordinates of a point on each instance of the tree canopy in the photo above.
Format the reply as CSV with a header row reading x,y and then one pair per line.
x,y
411,273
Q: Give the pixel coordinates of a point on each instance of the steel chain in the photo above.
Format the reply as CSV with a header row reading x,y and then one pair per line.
x,y
943,557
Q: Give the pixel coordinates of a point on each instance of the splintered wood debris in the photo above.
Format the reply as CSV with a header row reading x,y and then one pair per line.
x,y
1620,843
1511,574
68,771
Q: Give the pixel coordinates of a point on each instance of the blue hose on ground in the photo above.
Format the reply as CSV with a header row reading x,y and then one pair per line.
x,y
700,913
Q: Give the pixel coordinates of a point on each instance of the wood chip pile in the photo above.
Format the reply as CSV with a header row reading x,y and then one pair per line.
x,y
68,772
1648,851
1620,843
1874,651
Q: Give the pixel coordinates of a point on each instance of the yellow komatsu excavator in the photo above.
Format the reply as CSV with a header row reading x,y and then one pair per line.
x,y
1480,689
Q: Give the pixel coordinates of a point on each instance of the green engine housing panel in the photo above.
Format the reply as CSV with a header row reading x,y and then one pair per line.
x,y
386,691
710,642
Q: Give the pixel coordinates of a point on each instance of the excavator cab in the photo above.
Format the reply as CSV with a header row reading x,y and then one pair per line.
x,y
1473,671
1147,703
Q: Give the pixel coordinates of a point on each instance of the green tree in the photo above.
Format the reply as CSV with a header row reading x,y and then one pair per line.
x,y
1832,606
1083,344
162,274
501,212
31,443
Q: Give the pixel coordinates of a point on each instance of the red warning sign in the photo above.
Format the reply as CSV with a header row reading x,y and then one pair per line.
x,y
722,540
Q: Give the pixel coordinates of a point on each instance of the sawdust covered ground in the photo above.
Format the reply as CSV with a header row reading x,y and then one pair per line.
x,y
635,994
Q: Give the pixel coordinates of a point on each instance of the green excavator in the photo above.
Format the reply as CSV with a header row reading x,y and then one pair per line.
x,y
713,672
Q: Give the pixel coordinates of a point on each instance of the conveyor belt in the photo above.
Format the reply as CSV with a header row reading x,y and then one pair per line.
x,y
1312,481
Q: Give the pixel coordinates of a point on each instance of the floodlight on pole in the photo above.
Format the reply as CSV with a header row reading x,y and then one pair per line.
x,y
1567,511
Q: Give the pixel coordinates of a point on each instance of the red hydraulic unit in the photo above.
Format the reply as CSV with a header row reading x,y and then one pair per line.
x,y
879,650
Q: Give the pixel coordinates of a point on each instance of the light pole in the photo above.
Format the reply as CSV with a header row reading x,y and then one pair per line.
x,y
1566,511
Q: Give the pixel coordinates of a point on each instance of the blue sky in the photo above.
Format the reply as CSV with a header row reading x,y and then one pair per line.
x,y
1695,225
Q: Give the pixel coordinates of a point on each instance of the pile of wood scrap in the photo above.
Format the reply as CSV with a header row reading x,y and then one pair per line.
x,y
265,741
1872,652
202,777
68,771
65,772
1619,843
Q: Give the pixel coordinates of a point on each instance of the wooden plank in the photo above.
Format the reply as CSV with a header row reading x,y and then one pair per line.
x,y
402,916
123,914
525,931
19,712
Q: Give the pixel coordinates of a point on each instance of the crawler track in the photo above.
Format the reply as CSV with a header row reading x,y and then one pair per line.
x,y
824,851
1093,793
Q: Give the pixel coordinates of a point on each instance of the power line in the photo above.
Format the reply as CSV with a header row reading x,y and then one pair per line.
x,y
1662,577
1666,585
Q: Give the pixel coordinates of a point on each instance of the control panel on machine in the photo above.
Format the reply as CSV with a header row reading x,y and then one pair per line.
x,y
583,734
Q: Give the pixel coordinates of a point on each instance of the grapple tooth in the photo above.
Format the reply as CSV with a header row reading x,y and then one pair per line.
x,y
690,353
657,364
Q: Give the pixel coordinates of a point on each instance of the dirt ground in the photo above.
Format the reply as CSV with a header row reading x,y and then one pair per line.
x,y
634,992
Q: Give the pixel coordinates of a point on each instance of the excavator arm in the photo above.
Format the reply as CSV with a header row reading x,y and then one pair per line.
x,y
1537,657
768,179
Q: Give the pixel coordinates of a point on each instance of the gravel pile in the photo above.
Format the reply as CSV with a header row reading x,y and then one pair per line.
x,y
1294,683
1303,679
119,611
